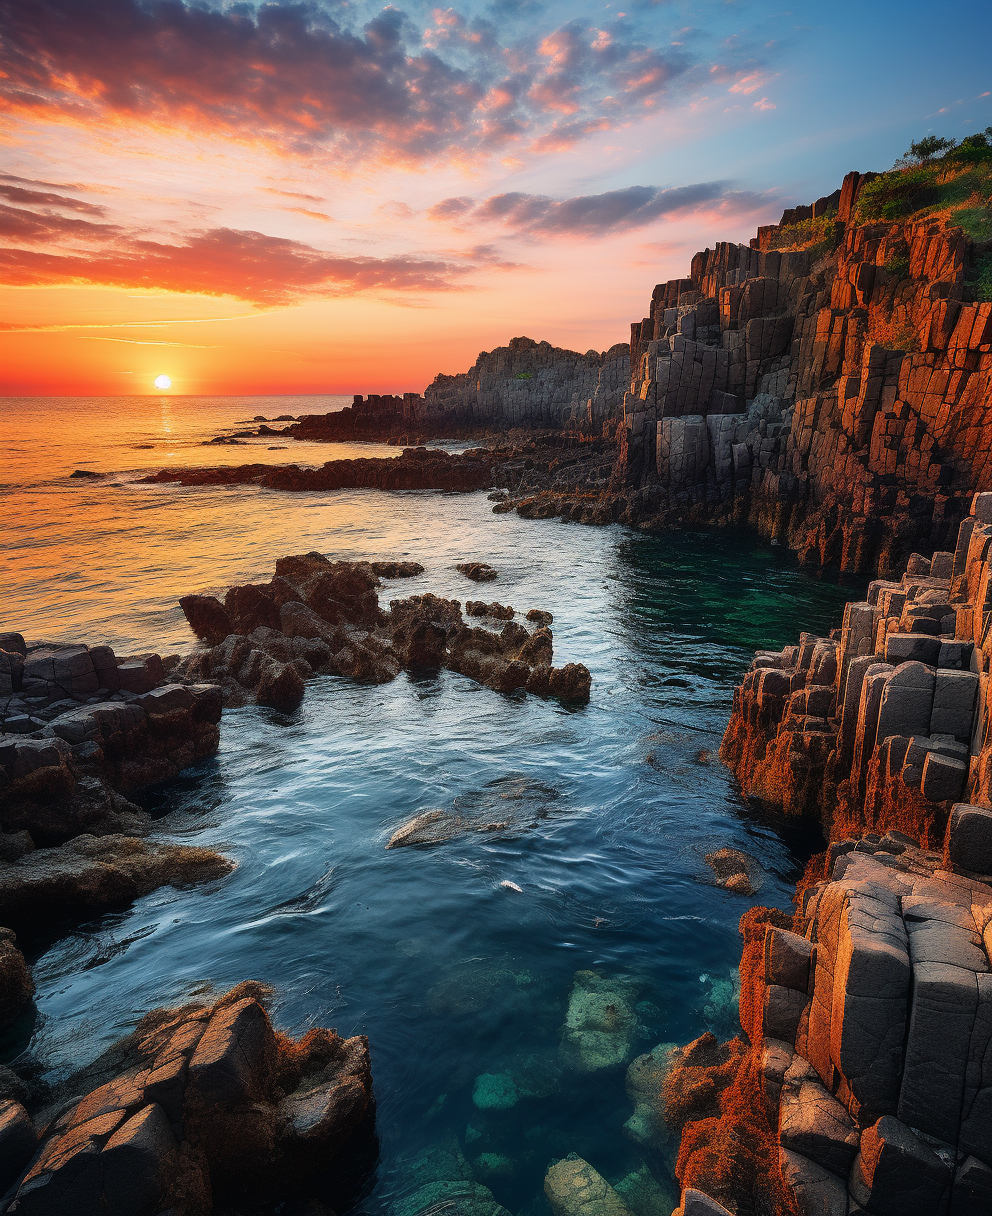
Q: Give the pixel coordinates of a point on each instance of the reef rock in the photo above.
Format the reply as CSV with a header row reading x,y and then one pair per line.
x,y
601,1025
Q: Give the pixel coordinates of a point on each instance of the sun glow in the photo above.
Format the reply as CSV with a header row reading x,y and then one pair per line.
x,y
163,382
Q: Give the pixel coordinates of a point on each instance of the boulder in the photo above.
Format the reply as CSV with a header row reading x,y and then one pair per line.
x,y
18,1141
574,1188
207,616
16,985
601,1025
478,572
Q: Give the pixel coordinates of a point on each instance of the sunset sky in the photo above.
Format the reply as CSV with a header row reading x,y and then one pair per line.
x,y
340,197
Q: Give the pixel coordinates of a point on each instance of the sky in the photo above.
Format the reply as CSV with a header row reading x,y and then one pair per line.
x,y
318,197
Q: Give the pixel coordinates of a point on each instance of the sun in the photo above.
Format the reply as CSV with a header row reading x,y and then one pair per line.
x,y
163,382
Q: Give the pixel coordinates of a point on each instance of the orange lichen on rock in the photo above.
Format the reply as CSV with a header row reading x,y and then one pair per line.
x,y
715,1097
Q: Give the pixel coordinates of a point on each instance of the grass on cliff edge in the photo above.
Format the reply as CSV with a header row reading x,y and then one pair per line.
x,y
956,188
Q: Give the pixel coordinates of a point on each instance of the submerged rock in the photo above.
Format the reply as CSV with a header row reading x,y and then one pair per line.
x,y
601,1025
737,871
574,1188
508,803
646,1088
457,1197
645,1195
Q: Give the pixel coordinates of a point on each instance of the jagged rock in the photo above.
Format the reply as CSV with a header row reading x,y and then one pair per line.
x,y
478,572
207,616
200,1106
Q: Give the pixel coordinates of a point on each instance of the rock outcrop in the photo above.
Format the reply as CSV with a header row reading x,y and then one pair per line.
x,y
885,724
202,1108
828,385
860,1082
80,729
318,616
414,469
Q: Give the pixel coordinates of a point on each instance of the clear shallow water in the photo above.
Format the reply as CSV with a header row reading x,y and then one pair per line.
x,y
450,974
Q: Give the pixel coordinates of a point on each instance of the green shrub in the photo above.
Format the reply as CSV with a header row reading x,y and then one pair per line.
x,y
927,148
898,193
523,376
976,222
898,267
818,236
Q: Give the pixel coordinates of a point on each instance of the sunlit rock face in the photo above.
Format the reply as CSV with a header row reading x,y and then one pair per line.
x,y
200,1108
832,395
321,616
864,1014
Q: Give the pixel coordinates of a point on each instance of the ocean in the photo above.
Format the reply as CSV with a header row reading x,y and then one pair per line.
x,y
461,981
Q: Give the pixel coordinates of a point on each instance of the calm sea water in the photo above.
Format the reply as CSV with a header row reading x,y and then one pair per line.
x,y
451,974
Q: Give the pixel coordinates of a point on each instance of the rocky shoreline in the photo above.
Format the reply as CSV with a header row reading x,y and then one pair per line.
x,y
828,385
202,1107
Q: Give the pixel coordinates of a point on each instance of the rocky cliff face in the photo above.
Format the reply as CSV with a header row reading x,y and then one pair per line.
x,y
831,384
532,383
862,1081
526,384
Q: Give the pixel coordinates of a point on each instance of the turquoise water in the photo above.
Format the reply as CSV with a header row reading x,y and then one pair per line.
x,y
450,973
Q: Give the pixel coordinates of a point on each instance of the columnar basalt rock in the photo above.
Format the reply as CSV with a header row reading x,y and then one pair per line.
x,y
868,1015
885,724
202,1108
835,397
318,616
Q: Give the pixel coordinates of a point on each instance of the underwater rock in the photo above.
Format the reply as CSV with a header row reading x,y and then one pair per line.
x,y
721,1010
494,1167
511,802
737,871
200,1108
495,1091
530,1076
454,1198
601,1025
645,1195
574,1188
646,1089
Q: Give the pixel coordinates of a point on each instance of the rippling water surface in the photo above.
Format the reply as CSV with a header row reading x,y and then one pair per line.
x,y
451,973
